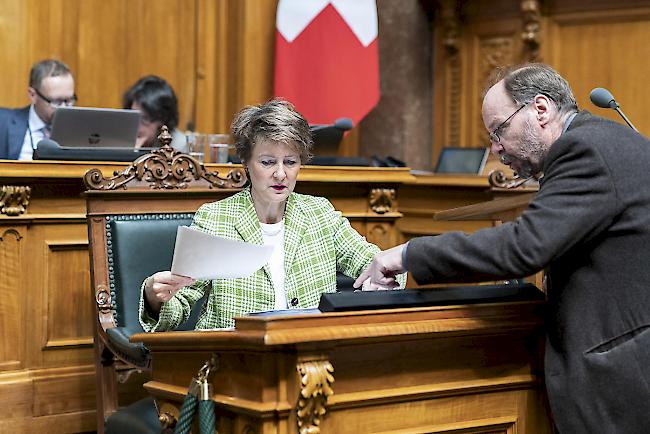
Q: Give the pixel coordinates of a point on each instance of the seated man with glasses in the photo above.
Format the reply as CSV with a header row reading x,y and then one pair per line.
x,y
51,85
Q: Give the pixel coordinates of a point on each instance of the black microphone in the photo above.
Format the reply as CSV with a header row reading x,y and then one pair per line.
x,y
604,99
344,124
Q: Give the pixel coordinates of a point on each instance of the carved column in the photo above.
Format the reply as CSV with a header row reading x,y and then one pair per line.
x,y
530,35
316,386
451,41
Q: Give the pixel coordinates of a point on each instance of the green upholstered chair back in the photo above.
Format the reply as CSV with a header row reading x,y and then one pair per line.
x,y
137,247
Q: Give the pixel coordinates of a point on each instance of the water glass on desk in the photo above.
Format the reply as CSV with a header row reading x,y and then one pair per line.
x,y
196,146
218,144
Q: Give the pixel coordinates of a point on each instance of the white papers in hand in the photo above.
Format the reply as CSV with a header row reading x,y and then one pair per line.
x,y
203,256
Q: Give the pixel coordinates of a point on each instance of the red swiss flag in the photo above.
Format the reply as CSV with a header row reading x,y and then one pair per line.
x,y
326,59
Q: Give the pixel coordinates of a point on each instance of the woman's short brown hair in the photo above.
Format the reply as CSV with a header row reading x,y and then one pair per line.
x,y
276,120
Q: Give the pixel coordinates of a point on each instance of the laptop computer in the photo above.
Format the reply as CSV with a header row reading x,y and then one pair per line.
x,y
89,127
462,160
92,134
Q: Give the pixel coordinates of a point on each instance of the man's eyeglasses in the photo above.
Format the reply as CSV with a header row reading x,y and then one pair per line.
x,y
56,103
494,135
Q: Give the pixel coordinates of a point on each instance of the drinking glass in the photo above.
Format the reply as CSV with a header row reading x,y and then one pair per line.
x,y
196,146
219,147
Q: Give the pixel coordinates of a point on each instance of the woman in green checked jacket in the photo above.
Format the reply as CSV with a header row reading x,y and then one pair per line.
x,y
312,241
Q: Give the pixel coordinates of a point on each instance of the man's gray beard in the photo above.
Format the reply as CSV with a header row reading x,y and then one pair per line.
x,y
530,146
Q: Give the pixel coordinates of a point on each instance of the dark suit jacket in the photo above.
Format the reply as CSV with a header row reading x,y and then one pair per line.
x,y
589,227
13,126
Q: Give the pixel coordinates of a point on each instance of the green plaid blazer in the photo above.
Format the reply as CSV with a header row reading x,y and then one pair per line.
x,y
318,242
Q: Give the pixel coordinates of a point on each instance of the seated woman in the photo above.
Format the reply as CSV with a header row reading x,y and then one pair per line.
x,y
312,241
155,98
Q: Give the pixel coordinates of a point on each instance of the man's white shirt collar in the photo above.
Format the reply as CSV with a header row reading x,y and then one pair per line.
x,y
33,135
35,122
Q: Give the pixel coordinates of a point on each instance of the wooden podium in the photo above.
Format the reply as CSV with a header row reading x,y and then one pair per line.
x,y
444,369
499,211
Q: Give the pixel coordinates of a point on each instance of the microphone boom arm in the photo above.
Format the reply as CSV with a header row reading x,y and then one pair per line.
x,y
620,112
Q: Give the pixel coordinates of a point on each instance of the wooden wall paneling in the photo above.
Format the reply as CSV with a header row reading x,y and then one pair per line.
x,y
605,49
107,44
76,386
185,75
34,29
102,61
12,291
52,382
123,41
59,292
236,50
54,31
236,46
67,295
258,35
15,60
212,60
16,392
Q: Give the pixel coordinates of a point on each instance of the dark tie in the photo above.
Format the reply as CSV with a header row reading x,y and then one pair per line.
x,y
46,131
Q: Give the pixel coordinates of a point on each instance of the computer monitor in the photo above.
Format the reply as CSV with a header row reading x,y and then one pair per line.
x,y
462,160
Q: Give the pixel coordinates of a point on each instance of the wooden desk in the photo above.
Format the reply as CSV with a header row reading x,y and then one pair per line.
x,y
46,355
450,369
46,363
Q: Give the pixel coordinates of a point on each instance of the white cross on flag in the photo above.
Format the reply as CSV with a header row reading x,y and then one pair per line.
x,y
326,58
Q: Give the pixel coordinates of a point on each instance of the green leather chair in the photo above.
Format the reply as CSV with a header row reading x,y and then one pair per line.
x,y
136,247
132,221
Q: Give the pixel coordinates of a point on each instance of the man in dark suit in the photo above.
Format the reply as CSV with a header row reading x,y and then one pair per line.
x,y
51,85
588,227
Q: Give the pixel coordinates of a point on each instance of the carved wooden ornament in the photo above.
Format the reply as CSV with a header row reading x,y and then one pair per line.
x,y
497,178
316,380
14,199
165,168
103,299
382,200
